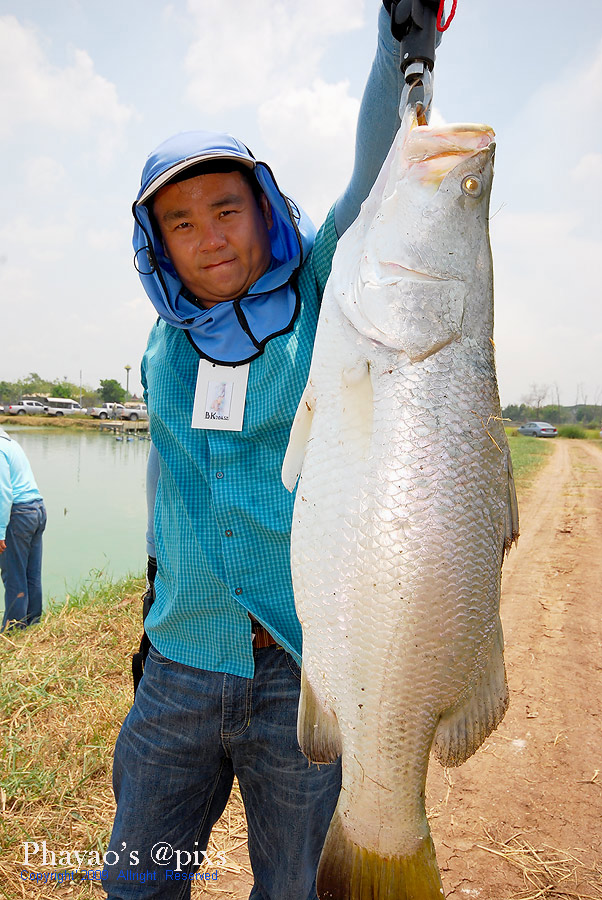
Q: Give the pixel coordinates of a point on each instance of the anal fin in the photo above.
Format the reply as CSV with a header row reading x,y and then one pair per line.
x,y
462,730
317,728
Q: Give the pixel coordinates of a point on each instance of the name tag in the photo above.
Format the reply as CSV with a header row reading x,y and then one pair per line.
x,y
220,396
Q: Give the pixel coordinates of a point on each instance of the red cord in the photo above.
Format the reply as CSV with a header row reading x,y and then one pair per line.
x,y
440,15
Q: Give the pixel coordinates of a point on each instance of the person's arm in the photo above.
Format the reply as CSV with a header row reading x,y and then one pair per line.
x,y
152,480
6,499
377,125
148,597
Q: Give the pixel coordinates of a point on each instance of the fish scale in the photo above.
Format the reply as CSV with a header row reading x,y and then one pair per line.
x,y
404,509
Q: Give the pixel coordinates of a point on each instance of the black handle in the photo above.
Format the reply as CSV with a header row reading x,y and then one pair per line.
x,y
414,25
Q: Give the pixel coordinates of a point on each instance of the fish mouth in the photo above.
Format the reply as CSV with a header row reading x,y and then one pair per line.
x,y
426,143
432,153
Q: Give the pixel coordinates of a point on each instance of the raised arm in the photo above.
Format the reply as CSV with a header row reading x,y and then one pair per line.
x,y
377,125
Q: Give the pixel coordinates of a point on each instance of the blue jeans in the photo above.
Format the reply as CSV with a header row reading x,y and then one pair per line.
x,y
188,734
21,564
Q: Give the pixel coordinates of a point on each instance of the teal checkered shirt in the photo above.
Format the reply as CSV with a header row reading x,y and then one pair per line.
x,y
222,514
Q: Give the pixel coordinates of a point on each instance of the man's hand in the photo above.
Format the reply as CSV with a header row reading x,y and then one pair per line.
x,y
148,597
2,546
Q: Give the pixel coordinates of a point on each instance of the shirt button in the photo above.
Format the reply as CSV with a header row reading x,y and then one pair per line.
x,y
238,591
219,474
228,532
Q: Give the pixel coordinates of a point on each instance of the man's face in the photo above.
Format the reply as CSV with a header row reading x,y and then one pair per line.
x,y
215,234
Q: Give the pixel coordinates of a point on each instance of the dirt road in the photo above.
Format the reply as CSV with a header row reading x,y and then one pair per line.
x,y
536,785
523,817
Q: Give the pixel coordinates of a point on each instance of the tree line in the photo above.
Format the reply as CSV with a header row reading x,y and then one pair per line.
x,y
588,415
108,391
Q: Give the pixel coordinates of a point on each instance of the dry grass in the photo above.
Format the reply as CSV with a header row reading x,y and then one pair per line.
x,y
65,688
548,872
64,691
50,421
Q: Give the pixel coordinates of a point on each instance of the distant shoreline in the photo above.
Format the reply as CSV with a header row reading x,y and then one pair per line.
x,y
76,422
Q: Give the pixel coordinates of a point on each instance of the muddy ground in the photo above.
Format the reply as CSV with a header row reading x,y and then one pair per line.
x,y
523,817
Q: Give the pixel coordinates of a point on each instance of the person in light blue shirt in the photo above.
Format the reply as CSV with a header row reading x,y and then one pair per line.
x,y
22,523
236,272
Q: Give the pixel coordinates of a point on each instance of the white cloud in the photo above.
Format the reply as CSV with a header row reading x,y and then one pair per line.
x,y
111,239
43,174
24,238
548,318
244,51
556,138
547,236
314,167
140,313
588,170
75,99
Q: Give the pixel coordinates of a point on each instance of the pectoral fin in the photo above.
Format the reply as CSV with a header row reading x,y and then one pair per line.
x,y
511,533
317,727
299,436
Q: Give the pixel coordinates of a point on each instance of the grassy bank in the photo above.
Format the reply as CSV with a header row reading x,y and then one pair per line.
x,y
65,688
528,455
82,422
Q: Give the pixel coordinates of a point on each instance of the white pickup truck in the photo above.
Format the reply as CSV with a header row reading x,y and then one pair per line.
x,y
134,411
27,407
106,411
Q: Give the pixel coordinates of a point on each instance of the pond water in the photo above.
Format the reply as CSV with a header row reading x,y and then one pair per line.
x,y
94,490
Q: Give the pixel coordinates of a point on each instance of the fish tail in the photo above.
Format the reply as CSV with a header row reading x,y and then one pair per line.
x,y
317,727
350,872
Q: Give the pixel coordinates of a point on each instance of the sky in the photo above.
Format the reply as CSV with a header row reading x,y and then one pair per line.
x,y
88,89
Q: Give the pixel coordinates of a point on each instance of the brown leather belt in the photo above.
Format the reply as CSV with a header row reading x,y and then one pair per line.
x,y
261,637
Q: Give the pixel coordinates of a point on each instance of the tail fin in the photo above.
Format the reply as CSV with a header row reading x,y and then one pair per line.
x,y
350,872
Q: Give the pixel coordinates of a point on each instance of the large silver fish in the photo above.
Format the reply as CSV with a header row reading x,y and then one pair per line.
x,y
404,509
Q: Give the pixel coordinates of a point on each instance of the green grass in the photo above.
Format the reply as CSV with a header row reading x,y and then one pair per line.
x,y
528,456
572,431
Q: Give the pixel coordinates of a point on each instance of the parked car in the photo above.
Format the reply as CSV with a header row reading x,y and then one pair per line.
x,y
27,407
106,411
61,406
134,411
538,429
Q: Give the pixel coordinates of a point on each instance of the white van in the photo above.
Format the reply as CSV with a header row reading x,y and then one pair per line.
x,y
60,406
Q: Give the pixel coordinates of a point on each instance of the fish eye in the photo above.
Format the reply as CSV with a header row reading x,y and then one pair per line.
x,y
472,186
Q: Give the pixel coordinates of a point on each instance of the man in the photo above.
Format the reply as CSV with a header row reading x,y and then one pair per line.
x,y
236,273
22,523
